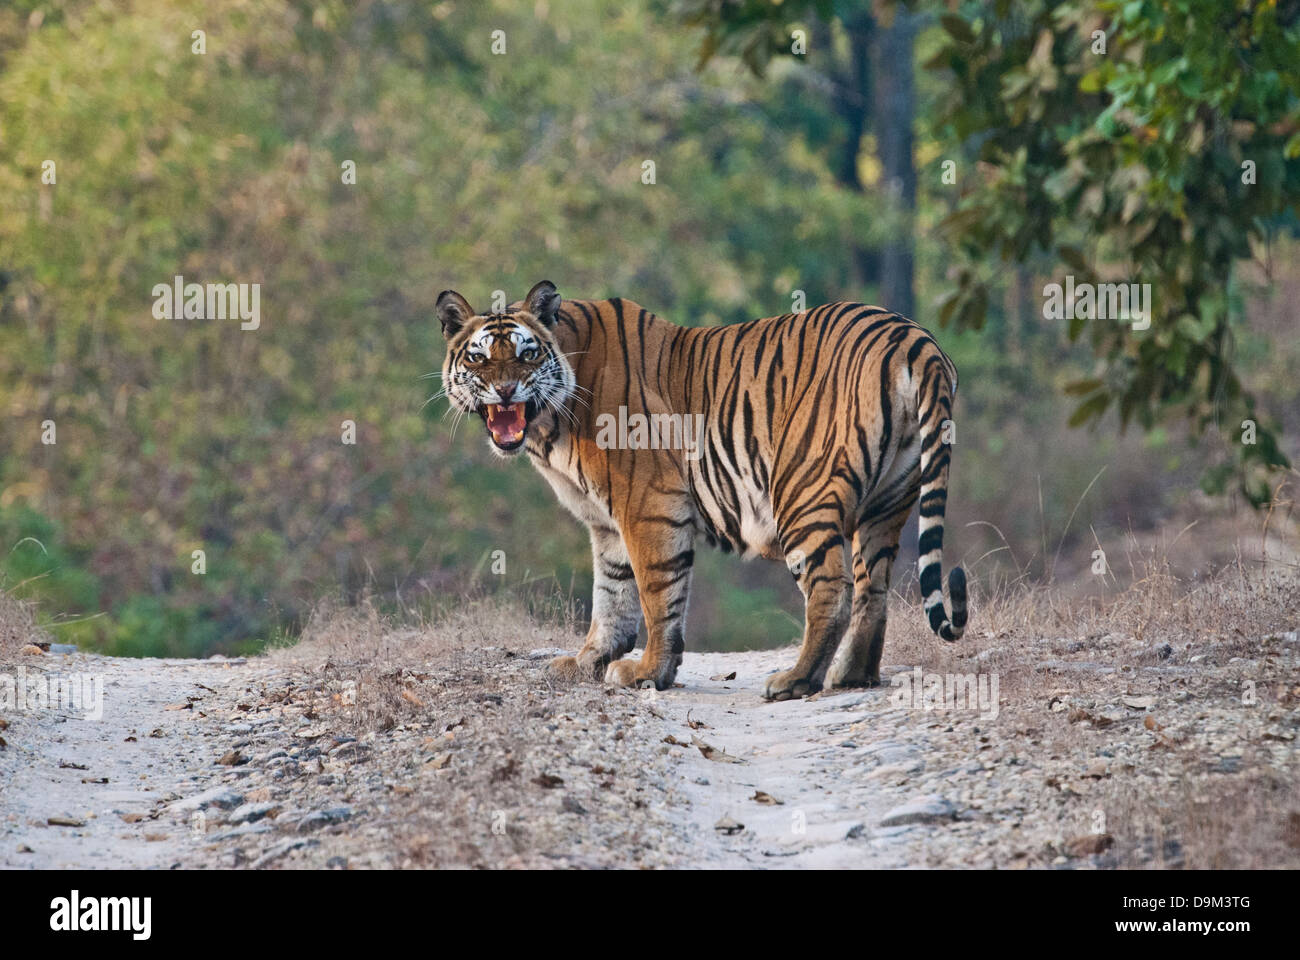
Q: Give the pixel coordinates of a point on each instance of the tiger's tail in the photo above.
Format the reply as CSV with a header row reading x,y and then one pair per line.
x,y
938,386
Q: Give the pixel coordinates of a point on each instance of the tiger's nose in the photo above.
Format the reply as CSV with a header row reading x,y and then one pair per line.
x,y
506,390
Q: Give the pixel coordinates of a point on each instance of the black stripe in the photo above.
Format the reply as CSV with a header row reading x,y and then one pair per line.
x,y
931,539
681,562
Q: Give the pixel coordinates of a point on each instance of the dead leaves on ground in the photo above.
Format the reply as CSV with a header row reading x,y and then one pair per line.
x,y
1079,715
1089,844
713,753
1139,703
506,771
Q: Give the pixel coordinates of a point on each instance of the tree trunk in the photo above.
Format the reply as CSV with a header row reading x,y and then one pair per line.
x,y
893,110
851,100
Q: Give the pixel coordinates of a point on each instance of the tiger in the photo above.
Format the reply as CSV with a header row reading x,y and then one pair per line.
x,y
817,433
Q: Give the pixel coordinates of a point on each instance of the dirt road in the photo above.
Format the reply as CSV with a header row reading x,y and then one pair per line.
x,y
476,760
85,791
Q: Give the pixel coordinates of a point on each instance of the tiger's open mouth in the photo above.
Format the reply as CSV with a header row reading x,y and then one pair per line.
x,y
507,422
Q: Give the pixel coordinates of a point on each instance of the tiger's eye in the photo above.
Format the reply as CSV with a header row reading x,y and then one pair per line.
x,y
530,354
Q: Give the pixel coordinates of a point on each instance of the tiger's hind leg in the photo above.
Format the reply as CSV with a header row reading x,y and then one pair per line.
x,y
875,547
818,554
615,610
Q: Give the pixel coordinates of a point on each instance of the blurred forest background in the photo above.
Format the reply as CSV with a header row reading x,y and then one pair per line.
x,y
946,160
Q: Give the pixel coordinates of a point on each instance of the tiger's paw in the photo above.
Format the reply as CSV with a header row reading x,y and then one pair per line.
x,y
631,673
846,679
573,669
788,685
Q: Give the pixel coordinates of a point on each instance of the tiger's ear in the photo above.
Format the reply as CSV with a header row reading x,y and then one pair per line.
x,y
453,312
543,302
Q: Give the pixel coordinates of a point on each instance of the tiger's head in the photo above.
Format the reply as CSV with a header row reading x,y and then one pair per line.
x,y
506,367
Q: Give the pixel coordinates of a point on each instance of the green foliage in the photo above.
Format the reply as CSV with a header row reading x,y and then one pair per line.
x,y
1131,165
755,31
76,606
38,561
474,171
1126,164
482,172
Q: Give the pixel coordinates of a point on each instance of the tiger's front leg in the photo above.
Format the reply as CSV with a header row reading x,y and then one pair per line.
x,y
662,558
615,610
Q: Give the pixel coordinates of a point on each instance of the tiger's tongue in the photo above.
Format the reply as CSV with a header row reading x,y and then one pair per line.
x,y
507,421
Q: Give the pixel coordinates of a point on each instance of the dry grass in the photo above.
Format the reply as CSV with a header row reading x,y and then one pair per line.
x,y
1207,778
17,626
1015,620
468,737
465,729
1230,825
381,662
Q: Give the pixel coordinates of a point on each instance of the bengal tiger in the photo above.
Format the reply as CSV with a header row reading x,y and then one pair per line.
x,y
817,432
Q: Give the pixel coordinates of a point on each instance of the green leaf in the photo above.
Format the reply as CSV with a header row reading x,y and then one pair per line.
x,y
947,304
1081,388
1090,409
957,28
